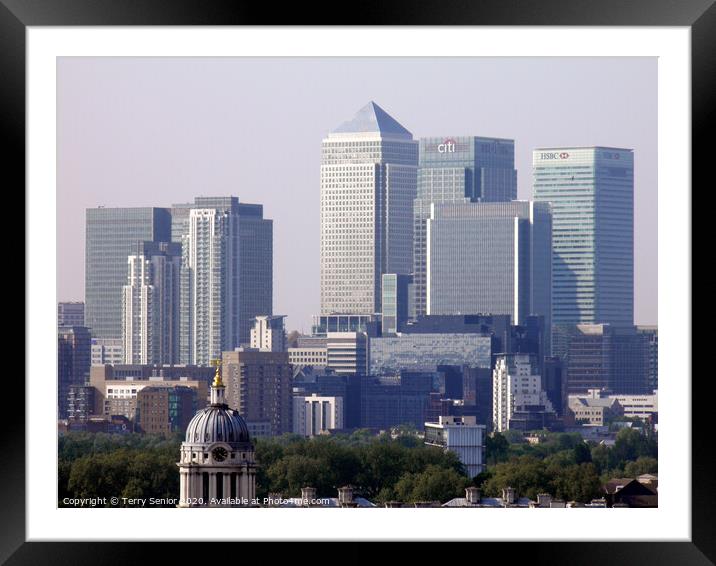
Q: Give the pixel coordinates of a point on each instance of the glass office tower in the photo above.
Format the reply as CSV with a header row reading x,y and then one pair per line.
x,y
368,184
592,194
455,170
111,236
490,258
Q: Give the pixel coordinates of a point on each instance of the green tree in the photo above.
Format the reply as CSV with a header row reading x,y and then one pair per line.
x,y
642,465
433,484
496,448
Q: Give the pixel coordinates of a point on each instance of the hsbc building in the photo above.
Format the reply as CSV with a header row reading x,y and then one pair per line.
x,y
592,194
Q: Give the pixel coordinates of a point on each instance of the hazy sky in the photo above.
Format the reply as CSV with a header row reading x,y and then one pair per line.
x,y
157,131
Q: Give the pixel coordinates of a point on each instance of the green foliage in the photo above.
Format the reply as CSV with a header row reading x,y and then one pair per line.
x,y
432,484
642,465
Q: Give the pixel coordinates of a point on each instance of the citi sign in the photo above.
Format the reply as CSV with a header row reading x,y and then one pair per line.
x,y
448,146
554,155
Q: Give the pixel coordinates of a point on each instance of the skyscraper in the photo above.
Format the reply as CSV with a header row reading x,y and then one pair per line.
x,y
110,236
227,274
368,184
457,170
592,194
489,258
150,304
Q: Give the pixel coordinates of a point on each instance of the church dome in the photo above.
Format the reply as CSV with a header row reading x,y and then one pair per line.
x,y
217,423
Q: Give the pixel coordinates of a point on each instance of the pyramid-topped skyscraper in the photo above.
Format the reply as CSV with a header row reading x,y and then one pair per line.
x,y
368,183
372,118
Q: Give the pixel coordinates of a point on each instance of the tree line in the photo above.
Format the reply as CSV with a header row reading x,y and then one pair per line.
x,y
381,469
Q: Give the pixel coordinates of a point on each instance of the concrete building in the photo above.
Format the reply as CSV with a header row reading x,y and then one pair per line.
x,y
490,258
463,436
268,333
595,408
425,352
591,190
163,410
110,235
457,170
217,464
300,357
227,275
347,352
150,304
258,385
73,362
640,406
368,184
323,324
516,384
313,415
71,313
107,351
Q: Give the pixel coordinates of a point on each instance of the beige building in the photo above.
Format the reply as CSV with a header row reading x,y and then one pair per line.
x,y
593,408
258,385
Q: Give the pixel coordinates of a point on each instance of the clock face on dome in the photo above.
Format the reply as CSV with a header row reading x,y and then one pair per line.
x,y
219,454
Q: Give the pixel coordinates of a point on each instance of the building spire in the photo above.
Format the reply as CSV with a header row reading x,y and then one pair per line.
x,y
218,390
217,376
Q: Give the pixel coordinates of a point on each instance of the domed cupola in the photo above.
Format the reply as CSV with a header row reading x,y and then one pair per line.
x,y
217,423
217,465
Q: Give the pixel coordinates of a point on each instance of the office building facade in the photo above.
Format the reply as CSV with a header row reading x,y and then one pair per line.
x,y
425,352
71,313
591,190
368,184
490,258
457,170
111,235
602,356
150,304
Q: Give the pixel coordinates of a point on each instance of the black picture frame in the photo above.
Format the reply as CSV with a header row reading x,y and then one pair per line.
x,y
699,15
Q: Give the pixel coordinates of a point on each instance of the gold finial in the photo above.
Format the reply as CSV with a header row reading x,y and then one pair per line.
x,y
217,376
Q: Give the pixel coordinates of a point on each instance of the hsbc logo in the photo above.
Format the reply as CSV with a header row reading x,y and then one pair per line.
x,y
448,146
554,155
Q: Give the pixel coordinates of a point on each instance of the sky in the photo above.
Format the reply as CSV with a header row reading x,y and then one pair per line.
x,y
158,131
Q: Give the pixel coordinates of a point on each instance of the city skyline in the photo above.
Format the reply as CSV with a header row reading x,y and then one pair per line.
x,y
296,211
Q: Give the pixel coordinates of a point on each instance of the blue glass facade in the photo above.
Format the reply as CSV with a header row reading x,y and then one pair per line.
x,y
592,194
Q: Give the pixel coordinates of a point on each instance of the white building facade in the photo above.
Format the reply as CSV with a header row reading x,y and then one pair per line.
x,y
268,333
368,184
516,382
315,415
150,305
463,436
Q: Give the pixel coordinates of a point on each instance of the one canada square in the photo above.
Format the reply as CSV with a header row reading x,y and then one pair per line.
x,y
368,184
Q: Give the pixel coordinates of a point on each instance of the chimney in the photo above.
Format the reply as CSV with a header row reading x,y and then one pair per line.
x,y
345,495
508,495
472,494
308,494
544,500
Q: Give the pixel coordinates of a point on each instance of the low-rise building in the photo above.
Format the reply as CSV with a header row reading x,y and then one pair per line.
x,y
313,415
461,435
596,408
